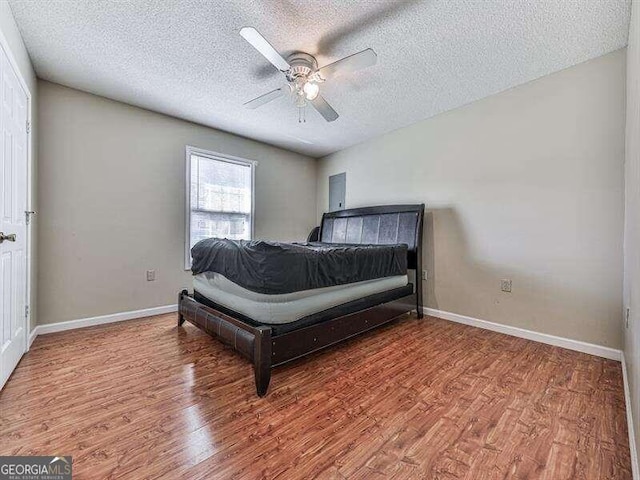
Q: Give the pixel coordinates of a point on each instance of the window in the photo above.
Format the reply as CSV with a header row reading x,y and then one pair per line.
x,y
219,198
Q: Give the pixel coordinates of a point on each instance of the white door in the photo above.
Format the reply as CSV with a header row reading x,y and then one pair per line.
x,y
13,225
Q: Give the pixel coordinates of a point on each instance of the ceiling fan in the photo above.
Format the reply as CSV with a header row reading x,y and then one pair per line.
x,y
303,75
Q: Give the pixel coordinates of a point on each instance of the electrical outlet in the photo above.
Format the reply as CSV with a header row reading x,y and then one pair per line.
x,y
626,321
505,285
425,275
151,275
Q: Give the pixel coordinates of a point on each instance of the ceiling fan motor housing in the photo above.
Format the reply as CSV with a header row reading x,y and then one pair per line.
x,y
302,65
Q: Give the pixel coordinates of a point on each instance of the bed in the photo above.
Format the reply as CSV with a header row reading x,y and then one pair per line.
x,y
274,303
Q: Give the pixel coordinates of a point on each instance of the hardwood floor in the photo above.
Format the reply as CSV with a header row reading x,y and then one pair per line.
x,y
417,399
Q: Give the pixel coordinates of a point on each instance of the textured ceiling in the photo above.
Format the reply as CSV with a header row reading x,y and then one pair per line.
x,y
185,57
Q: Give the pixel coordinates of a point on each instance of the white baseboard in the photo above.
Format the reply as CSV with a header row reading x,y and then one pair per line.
x,y
92,321
630,427
32,337
577,345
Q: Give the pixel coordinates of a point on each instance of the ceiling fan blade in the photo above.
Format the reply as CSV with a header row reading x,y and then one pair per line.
x,y
266,98
324,109
357,61
258,42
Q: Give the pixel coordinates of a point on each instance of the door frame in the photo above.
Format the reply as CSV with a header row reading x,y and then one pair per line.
x,y
4,44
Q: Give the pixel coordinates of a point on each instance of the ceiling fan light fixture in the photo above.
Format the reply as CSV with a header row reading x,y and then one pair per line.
x,y
311,90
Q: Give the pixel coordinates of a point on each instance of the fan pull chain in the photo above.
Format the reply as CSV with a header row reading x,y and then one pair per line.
x,y
302,117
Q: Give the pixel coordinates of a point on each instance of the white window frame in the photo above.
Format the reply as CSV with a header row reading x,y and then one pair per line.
x,y
221,157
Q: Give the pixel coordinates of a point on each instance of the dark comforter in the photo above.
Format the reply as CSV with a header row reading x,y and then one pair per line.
x,y
273,267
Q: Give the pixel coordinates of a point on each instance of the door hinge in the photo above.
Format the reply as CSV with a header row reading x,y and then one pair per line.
x,y
27,215
28,127
26,311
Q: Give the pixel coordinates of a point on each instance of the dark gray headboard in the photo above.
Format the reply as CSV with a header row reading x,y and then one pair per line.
x,y
381,225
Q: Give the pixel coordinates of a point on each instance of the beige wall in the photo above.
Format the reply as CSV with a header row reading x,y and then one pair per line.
x,y
112,192
526,185
18,50
632,219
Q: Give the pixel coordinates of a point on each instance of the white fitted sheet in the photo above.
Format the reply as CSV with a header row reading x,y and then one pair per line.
x,y
287,307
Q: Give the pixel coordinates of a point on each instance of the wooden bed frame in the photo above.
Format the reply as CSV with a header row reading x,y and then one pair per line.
x,y
268,350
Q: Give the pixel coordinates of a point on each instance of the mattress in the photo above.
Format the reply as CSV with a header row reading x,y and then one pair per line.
x,y
278,268
288,307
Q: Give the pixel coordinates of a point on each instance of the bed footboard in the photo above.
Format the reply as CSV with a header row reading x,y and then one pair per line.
x,y
252,342
265,350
